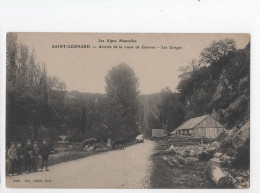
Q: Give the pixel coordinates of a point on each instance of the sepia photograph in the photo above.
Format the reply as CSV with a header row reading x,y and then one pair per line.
x,y
127,110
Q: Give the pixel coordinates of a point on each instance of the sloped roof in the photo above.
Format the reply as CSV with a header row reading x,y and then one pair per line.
x,y
189,124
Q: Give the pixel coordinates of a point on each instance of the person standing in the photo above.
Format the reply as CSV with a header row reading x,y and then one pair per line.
x,y
109,143
45,152
28,156
36,153
20,156
12,156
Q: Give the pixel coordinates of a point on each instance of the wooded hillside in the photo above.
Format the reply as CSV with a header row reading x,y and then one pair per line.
x,y
221,88
217,84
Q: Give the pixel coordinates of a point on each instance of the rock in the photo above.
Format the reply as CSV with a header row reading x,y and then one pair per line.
x,y
211,150
208,153
171,161
215,144
171,147
224,158
174,162
215,160
239,178
243,185
164,158
180,159
187,152
192,153
89,148
244,174
191,160
217,154
246,184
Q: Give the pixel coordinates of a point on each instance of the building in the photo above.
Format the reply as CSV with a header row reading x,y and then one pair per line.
x,y
204,126
158,132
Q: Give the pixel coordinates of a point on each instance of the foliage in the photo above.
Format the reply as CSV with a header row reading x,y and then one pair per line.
x,y
171,110
39,106
122,91
243,156
188,70
85,116
33,98
217,50
215,88
208,86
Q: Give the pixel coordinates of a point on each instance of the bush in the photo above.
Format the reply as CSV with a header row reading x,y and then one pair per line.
x,y
242,159
205,156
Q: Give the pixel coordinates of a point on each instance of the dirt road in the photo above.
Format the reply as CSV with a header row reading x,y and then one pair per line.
x,y
115,169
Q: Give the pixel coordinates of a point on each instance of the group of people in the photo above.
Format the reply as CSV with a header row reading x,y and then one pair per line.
x,y
28,156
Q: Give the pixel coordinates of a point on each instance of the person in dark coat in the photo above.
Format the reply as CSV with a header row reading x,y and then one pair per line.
x,y
45,151
28,155
36,153
20,156
12,156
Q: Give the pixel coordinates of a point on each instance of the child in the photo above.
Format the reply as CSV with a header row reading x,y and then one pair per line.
x,y
28,156
45,151
20,154
36,151
12,156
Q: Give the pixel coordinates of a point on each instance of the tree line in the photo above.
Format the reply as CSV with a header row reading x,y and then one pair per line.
x,y
38,105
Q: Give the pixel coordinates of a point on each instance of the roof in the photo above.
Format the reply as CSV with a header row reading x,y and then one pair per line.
x,y
189,124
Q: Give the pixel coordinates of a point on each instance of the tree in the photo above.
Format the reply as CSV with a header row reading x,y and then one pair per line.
x,y
11,61
188,70
83,122
44,102
122,91
171,110
216,51
31,97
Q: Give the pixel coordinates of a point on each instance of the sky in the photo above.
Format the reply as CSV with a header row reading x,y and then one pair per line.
x,y
84,69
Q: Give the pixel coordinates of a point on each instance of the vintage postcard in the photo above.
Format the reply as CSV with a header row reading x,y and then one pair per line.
x,y
127,110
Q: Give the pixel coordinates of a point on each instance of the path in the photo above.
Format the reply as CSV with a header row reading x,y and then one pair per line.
x,y
130,168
